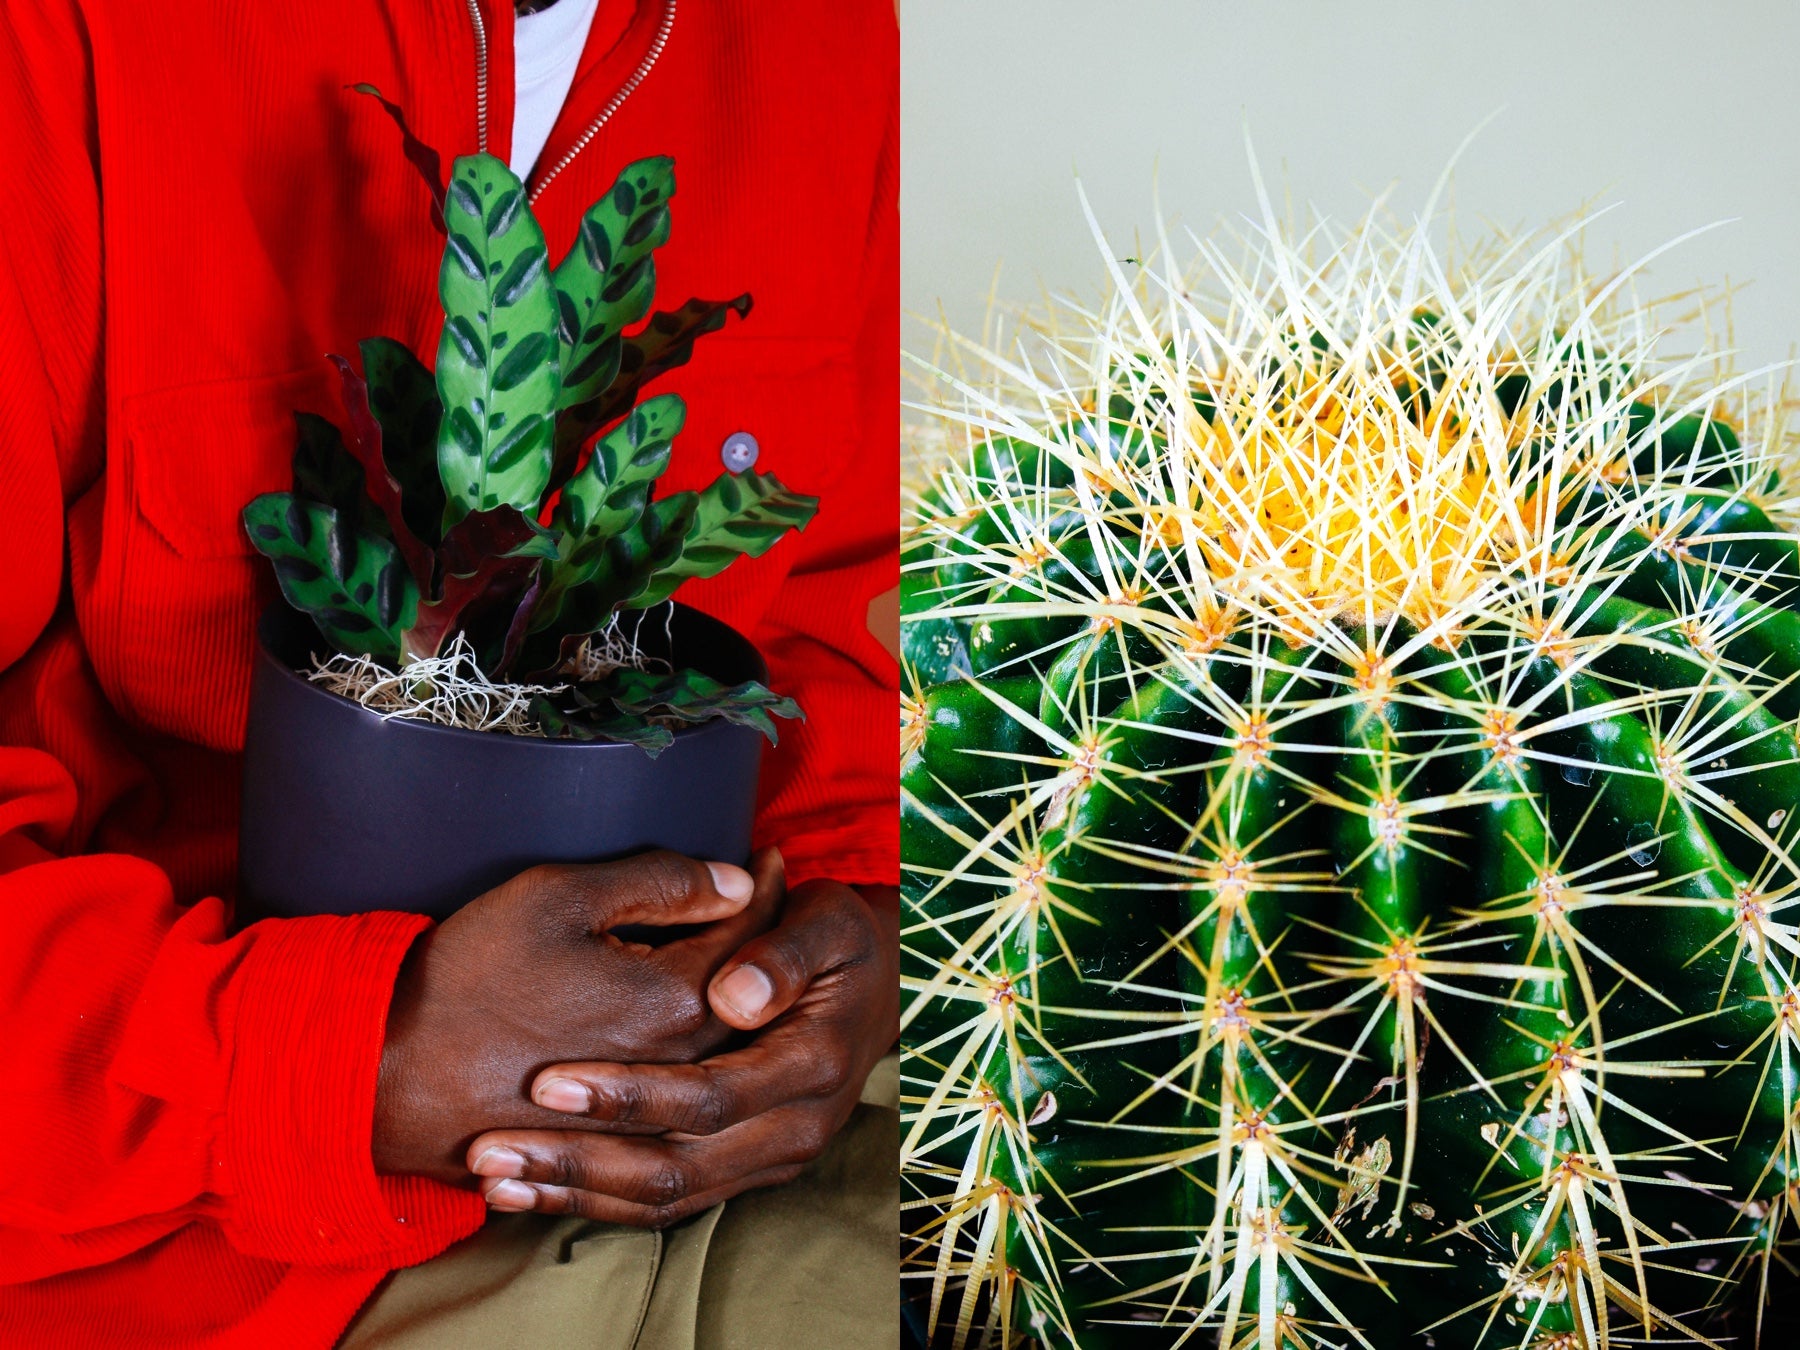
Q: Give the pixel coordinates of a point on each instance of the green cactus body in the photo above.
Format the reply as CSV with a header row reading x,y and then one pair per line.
x,y
1348,774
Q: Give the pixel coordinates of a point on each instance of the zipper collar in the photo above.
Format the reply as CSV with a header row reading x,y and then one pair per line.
x,y
605,115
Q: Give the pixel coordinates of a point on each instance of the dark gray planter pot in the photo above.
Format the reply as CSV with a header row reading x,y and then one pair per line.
x,y
344,812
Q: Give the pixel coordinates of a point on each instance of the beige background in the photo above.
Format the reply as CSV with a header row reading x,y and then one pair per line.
x,y
1682,113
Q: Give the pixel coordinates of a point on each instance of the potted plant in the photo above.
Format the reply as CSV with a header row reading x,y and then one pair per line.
x,y
479,665
1349,794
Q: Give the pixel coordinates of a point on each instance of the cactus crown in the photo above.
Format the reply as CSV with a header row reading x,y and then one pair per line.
x,y
1346,759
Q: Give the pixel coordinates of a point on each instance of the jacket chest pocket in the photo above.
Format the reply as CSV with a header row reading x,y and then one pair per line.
x,y
796,399
179,587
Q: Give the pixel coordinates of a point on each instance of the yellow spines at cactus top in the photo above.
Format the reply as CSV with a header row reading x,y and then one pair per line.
x,y
1349,773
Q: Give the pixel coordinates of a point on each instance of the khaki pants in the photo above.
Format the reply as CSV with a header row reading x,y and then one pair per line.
x,y
813,1265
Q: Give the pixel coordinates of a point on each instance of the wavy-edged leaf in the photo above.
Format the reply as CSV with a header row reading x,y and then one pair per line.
x,y
613,487
624,564
605,285
650,543
421,156
737,515
403,396
352,583
600,723
608,496
380,485
689,696
664,343
499,366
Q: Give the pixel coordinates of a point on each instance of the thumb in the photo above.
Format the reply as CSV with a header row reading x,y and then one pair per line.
x,y
816,934
658,888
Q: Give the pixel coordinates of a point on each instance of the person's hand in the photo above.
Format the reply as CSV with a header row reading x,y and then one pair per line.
x,y
534,971
824,985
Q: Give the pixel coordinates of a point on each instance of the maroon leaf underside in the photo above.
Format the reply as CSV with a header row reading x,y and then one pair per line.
x,y
497,580
421,156
515,630
365,443
497,532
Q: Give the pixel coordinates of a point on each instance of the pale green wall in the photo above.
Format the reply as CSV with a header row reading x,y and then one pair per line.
x,y
1683,113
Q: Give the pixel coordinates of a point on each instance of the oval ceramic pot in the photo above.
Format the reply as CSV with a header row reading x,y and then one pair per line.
x,y
344,811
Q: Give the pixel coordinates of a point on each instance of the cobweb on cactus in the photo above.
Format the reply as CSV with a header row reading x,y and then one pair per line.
x,y
1348,792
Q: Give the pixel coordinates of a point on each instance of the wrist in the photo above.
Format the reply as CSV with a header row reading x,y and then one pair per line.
x,y
394,1142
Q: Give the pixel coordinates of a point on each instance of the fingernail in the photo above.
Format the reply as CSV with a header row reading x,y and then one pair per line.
x,y
733,883
747,990
564,1094
511,1195
499,1162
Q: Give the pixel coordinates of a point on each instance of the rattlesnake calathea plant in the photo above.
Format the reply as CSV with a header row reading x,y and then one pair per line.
x,y
482,546
1349,784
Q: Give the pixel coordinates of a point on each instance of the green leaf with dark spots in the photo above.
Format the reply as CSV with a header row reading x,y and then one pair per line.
x,y
521,276
600,724
651,543
526,444
523,360
605,285
737,515
607,496
504,210
622,564
494,447
353,583
689,696
465,256
666,342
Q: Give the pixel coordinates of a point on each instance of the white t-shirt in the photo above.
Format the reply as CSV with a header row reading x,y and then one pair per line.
x,y
546,49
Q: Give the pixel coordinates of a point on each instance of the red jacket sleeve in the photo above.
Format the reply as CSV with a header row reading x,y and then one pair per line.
x,y
159,1071
830,797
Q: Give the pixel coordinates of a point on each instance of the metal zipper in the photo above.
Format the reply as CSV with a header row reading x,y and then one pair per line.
x,y
624,92
636,78
481,73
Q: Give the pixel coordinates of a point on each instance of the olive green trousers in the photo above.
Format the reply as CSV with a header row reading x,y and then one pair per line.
x,y
812,1265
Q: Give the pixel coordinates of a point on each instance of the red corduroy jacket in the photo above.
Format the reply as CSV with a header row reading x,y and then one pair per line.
x,y
195,212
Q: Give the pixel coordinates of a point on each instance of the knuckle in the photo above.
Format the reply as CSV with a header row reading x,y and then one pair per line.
x,y
672,876
855,926
559,890
620,1099
565,1167
688,1013
710,1110
548,878
583,1203
810,1139
663,1216
832,1074
664,1185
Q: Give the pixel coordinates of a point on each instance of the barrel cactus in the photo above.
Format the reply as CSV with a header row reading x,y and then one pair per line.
x,y
1349,777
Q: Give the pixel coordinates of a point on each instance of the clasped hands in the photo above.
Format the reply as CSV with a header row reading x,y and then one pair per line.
x,y
636,1041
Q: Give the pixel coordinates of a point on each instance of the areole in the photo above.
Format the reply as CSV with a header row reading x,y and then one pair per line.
x,y
605,115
